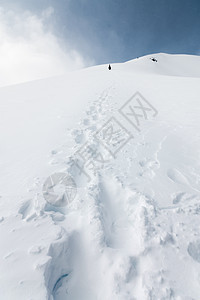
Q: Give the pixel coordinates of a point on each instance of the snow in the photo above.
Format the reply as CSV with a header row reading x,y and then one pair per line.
x,y
131,229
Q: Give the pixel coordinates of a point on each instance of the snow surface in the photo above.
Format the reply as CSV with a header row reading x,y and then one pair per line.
x,y
133,230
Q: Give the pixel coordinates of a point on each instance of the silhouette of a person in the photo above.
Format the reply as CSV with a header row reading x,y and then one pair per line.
x,y
109,67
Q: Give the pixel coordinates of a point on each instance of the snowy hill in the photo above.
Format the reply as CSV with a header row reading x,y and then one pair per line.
x,y
125,147
168,64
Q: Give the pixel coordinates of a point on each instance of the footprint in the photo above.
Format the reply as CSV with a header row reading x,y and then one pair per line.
x,y
53,152
178,198
36,249
95,117
92,108
92,128
86,121
27,210
8,255
176,176
78,136
149,163
183,197
194,250
149,166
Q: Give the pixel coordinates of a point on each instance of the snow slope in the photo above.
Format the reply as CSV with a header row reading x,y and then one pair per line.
x,y
132,231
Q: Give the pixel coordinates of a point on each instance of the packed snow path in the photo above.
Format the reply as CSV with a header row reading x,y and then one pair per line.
x,y
132,231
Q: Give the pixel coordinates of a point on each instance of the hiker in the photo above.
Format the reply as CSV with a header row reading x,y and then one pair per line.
x,y
109,67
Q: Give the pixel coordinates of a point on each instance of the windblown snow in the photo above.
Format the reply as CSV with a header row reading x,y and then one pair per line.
x,y
129,141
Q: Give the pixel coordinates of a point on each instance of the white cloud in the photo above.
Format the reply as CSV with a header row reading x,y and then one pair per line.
x,y
29,50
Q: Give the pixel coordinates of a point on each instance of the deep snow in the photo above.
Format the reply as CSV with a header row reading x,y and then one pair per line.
x,y
132,231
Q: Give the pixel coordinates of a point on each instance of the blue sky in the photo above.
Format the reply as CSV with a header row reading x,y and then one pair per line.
x,y
115,31
71,34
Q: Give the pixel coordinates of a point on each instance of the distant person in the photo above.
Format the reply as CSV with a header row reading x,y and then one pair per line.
x,y
109,67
